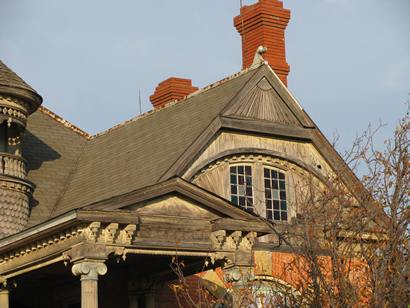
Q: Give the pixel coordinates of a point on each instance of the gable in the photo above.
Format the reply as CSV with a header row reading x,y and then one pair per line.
x,y
191,198
263,102
265,98
292,133
174,205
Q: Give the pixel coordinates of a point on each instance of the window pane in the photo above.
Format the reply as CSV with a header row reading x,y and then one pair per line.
x,y
282,185
241,186
275,188
234,199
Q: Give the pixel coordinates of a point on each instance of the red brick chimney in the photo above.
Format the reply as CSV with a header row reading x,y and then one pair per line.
x,y
171,89
264,24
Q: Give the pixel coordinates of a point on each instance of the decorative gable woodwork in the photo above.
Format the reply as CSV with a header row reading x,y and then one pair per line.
x,y
263,102
174,206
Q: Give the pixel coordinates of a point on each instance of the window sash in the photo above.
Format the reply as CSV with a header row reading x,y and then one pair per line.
x,y
241,186
275,194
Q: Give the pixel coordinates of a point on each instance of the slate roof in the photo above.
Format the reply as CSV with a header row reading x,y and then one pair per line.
x,y
72,171
52,150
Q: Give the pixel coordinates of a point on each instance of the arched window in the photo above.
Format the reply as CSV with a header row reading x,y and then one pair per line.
x,y
241,186
271,199
275,194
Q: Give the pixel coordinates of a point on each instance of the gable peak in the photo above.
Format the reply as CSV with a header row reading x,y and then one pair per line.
x,y
264,85
260,100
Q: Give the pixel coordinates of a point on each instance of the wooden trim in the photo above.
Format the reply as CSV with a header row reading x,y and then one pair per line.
x,y
31,234
265,127
288,98
280,89
231,123
24,94
175,185
122,217
239,151
38,265
240,225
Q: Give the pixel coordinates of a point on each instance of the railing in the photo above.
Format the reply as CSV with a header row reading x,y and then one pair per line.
x,y
12,165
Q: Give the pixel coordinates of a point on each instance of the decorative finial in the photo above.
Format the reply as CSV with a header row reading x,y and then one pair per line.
x,y
261,50
258,59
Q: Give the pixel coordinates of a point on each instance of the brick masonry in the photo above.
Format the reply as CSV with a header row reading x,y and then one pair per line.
x,y
264,23
170,90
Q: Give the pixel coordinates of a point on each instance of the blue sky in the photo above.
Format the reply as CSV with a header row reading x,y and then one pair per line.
x,y
350,59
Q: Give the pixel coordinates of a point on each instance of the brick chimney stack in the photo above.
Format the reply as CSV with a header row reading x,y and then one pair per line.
x,y
264,24
171,89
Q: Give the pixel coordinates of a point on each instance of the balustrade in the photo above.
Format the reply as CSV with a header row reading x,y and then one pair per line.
x,y
12,165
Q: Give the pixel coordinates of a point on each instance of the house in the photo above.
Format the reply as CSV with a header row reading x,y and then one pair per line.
x,y
96,219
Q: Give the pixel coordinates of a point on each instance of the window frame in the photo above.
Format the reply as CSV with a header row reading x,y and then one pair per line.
x,y
246,207
259,200
279,190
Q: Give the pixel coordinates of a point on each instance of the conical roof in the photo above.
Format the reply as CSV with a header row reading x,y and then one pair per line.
x,y
12,84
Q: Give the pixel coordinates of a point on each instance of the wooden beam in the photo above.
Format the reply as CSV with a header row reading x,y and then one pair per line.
x,y
268,128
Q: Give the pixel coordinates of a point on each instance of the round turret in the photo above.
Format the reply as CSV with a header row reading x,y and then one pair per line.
x,y
17,101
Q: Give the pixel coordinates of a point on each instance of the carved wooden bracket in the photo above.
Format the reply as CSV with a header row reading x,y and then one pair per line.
x,y
232,247
232,241
110,234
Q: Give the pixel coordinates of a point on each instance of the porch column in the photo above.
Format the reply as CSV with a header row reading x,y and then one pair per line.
x,y
89,272
4,293
4,298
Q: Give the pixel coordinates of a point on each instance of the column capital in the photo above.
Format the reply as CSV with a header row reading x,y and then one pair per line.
x,y
89,270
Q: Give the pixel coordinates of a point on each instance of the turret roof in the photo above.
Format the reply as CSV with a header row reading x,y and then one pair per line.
x,y
11,79
11,83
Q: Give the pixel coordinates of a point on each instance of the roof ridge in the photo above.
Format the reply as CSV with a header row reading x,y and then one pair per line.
x,y
174,102
64,122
